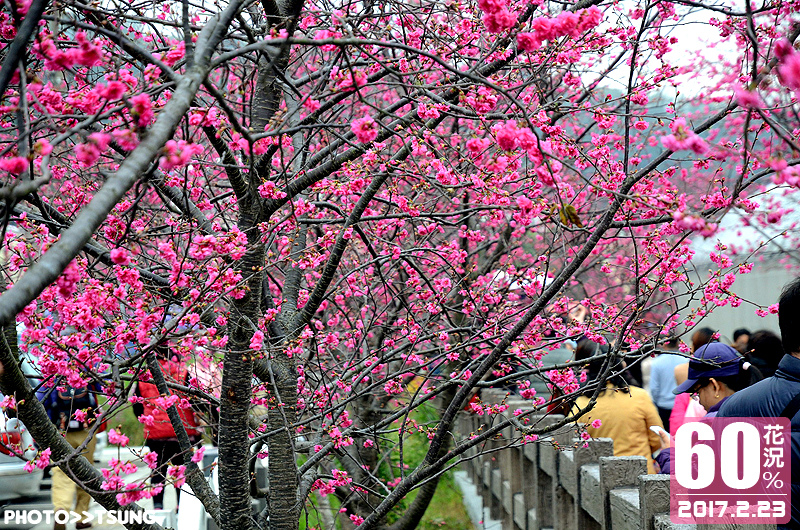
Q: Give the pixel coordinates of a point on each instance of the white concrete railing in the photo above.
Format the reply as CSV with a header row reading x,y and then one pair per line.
x,y
538,486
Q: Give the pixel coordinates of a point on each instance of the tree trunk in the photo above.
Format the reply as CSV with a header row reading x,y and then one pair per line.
x,y
234,442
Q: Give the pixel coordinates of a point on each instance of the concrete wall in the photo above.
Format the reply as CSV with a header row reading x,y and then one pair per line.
x,y
762,286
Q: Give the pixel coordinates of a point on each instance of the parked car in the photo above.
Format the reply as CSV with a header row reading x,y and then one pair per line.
x,y
16,447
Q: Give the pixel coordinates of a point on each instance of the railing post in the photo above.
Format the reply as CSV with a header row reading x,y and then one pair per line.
x,y
653,499
549,507
588,453
530,490
539,501
615,472
563,501
511,472
493,477
511,467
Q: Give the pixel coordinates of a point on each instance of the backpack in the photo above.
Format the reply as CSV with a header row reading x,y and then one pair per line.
x,y
64,403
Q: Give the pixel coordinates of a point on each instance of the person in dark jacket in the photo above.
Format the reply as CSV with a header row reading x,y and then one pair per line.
x,y
711,384
72,410
771,397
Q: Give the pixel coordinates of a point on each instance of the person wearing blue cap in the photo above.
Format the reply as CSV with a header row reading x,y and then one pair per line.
x,y
779,395
716,372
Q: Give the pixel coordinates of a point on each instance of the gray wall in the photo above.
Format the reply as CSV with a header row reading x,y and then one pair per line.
x,y
762,286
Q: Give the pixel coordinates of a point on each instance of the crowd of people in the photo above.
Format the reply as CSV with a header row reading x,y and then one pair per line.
x,y
756,375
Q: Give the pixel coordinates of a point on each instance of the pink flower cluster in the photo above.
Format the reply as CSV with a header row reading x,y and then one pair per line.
x,y
683,137
747,98
565,24
117,438
428,111
393,387
784,173
88,153
125,138
120,256
257,341
324,34
8,402
113,91
365,129
86,54
136,492
340,478
339,439
269,190
496,16
176,473
142,109
151,459
14,165
42,147
41,461
789,60
485,100
198,455
510,137
178,154
695,224
564,380
176,53
348,79
204,117
165,402
66,283
476,146
116,468
129,493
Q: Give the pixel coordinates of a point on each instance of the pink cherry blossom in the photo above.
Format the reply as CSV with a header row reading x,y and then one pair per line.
x,y
500,20
365,129
747,98
528,42
113,91
151,459
120,256
789,71
197,456
507,136
117,439
15,165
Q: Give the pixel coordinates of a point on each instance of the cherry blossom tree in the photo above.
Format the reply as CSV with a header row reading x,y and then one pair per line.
x,y
355,209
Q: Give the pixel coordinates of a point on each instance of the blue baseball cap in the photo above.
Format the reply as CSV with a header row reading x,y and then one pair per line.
x,y
720,361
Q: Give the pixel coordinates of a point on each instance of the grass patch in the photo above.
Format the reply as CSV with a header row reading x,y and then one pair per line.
x,y
446,509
